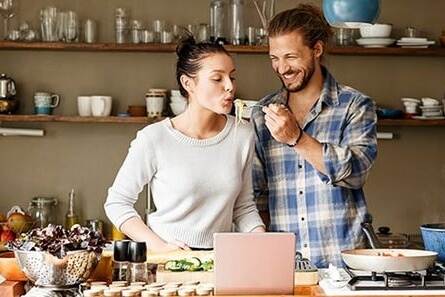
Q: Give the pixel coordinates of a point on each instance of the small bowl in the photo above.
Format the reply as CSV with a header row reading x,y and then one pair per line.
x,y
137,111
376,31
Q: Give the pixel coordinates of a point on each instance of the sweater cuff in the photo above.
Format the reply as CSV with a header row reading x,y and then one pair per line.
x,y
250,222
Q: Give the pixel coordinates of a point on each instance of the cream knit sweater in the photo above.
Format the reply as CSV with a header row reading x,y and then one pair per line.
x,y
199,187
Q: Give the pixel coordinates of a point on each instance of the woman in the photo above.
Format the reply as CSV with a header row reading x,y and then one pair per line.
x,y
197,164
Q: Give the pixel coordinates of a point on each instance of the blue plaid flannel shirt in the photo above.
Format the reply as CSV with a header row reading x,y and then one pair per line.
x,y
324,211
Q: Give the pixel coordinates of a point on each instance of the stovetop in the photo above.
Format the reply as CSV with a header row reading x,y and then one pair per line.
x,y
431,279
342,282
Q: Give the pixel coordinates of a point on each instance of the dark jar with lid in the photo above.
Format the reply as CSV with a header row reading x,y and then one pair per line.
x,y
121,260
138,270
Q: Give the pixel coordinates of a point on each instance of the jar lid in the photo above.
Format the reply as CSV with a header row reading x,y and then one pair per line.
x,y
121,252
138,251
44,200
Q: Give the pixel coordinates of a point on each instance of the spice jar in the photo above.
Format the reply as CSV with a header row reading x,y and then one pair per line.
x,y
121,259
138,270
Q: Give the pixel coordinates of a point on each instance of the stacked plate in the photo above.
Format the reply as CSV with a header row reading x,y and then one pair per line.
x,y
414,42
375,42
431,109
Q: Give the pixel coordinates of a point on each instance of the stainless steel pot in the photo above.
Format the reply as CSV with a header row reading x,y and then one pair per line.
x,y
7,87
386,260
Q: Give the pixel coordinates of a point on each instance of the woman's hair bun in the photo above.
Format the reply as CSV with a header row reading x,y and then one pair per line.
x,y
185,42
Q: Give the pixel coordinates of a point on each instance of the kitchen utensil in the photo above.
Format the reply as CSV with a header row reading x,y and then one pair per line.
x,y
305,272
46,270
236,22
376,31
7,87
84,106
90,31
7,8
45,102
434,239
101,106
386,260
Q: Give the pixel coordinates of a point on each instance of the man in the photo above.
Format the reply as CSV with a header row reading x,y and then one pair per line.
x,y
315,143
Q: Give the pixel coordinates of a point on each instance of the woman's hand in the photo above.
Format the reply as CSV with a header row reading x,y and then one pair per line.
x,y
166,247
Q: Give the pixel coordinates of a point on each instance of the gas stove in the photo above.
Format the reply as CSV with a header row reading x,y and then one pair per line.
x,y
350,282
431,279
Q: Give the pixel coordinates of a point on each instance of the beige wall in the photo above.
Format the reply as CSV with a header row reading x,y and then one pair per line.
x,y
404,189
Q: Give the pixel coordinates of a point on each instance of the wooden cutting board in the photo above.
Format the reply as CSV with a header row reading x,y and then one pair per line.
x,y
12,289
163,275
10,269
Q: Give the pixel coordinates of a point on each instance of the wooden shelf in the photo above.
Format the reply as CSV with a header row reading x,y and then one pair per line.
x,y
78,119
387,51
240,49
146,120
114,47
410,122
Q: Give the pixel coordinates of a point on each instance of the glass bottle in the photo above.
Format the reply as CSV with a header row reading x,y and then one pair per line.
x,y
236,19
217,21
71,217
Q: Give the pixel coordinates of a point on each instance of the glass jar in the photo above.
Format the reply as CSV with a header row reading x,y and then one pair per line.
x,y
217,20
43,211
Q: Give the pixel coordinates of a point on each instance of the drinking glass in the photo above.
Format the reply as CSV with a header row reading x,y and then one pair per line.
x,y
7,8
71,26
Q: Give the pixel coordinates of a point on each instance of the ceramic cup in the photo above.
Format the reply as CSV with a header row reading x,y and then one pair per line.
x,y
101,106
45,102
84,106
155,106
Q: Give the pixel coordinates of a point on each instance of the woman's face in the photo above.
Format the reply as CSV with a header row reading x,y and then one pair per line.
x,y
213,87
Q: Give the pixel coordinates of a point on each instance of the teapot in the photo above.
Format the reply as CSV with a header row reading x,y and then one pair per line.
x,y
8,103
7,87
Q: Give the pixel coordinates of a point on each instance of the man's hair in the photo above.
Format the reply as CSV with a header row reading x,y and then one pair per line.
x,y
306,19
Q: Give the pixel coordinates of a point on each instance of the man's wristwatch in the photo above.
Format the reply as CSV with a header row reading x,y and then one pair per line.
x,y
298,138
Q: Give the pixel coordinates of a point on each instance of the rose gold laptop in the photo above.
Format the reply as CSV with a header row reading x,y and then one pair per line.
x,y
254,263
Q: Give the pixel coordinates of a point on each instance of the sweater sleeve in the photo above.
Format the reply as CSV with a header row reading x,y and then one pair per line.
x,y
135,172
245,213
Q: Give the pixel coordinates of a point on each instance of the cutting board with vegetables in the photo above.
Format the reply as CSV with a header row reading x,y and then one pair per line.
x,y
183,270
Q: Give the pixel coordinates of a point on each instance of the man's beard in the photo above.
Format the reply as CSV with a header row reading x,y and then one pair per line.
x,y
304,82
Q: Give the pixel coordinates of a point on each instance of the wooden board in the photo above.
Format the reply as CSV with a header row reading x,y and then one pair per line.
x,y
10,269
163,275
12,289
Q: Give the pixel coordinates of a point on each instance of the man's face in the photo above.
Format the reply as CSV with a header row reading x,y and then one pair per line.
x,y
292,60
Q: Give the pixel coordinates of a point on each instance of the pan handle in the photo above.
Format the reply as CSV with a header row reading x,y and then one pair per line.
x,y
369,232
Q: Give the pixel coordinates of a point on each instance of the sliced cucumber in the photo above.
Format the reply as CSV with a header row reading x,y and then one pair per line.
x,y
195,261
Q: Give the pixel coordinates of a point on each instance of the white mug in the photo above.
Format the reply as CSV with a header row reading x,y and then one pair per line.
x,y
84,106
101,106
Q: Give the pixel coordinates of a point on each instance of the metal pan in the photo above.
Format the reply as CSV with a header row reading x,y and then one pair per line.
x,y
386,260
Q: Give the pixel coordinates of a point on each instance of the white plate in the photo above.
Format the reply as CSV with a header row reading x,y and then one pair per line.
x,y
375,42
428,118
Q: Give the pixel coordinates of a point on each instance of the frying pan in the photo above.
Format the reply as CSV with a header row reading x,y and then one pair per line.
x,y
386,260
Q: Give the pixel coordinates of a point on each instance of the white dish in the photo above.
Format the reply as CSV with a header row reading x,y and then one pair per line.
x,y
375,42
431,108
428,118
376,30
415,43
413,100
